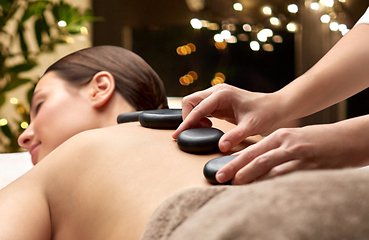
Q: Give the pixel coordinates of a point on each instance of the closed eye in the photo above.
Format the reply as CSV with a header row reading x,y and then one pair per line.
x,y
37,109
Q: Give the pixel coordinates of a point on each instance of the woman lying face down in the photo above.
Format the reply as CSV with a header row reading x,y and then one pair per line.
x,y
106,182
87,90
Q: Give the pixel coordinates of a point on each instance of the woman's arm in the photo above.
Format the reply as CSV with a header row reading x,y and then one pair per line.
x,y
24,211
341,73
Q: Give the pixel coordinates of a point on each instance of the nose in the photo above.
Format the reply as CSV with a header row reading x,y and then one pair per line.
x,y
25,139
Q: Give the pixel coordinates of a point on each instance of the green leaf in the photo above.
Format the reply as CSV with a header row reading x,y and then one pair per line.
x,y
2,22
5,12
46,26
9,8
55,12
23,43
65,12
7,132
27,14
34,9
6,5
2,61
41,26
14,83
74,28
2,98
23,67
38,31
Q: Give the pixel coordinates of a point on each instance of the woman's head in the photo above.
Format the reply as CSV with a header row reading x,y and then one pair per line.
x,y
86,90
135,80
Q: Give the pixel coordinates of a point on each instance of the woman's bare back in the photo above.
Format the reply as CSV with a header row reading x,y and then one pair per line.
x,y
105,183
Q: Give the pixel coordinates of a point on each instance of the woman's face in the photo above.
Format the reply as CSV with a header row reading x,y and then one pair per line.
x,y
58,111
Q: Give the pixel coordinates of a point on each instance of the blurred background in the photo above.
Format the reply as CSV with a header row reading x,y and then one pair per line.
x,y
257,45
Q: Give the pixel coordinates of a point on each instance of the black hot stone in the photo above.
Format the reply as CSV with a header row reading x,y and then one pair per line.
x,y
128,117
199,140
161,118
213,166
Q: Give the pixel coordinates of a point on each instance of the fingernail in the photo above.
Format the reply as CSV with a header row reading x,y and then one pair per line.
x,y
226,146
221,177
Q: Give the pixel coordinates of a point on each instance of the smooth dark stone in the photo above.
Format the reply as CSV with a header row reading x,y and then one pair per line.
x,y
161,118
199,140
129,117
213,166
158,118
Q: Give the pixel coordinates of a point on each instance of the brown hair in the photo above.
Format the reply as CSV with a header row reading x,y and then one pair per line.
x,y
135,80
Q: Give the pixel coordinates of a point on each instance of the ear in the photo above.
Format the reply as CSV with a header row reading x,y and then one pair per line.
x,y
102,88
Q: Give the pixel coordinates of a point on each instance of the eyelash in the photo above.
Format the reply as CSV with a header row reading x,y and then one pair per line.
x,y
37,108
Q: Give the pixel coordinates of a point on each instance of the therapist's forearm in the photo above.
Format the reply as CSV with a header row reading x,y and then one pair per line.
x,y
352,140
341,73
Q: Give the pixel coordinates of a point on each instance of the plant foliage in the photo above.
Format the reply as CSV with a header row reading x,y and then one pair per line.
x,y
50,23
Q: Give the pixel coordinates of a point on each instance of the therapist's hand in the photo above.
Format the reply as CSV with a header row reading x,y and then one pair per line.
x,y
254,113
292,149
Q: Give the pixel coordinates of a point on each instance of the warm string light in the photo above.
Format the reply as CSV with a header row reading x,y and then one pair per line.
x,y
262,37
3,122
20,109
62,23
83,30
218,79
186,49
225,36
238,7
331,11
188,79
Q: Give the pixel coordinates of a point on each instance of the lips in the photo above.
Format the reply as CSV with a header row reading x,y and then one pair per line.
x,y
34,151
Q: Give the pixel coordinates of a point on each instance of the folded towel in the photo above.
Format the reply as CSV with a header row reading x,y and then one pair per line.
x,y
304,205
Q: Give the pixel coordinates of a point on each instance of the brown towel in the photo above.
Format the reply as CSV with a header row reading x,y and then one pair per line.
x,y
305,205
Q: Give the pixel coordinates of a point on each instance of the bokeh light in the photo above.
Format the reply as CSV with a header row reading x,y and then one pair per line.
x,y
268,47
293,8
13,100
3,122
334,26
62,23
274,21
277,39
247,27
255,46
325,18
314,6
218,78
221,45
24,125
267,10
196,23
291,27
237,6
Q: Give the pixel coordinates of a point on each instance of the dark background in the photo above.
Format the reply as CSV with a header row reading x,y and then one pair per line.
x,y
159,27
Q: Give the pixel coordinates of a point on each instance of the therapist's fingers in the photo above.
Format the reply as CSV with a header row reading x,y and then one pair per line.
x,y
248,126
228,171
191,101
261,165
282,169
204,123
193,113
233,137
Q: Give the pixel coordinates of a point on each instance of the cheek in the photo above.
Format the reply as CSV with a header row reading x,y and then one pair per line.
x,y
58,123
